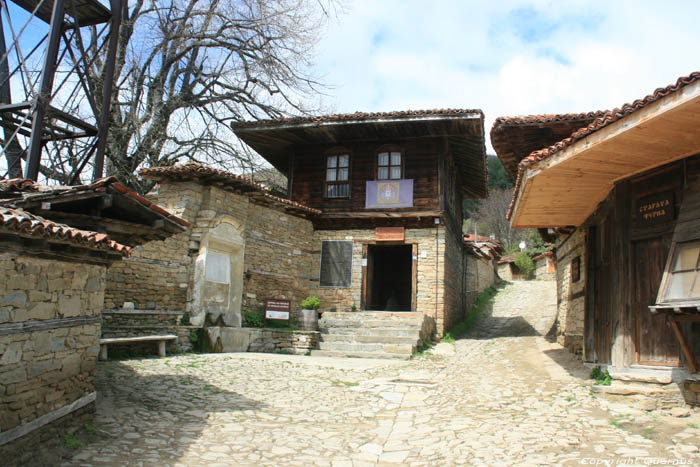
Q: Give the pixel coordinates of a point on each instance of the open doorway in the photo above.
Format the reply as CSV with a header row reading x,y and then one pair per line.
x,y
388,278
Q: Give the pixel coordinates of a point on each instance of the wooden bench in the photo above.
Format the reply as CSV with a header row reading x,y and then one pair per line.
x,y
125,340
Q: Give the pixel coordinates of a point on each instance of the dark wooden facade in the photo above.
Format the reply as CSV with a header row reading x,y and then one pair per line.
x,y
626,259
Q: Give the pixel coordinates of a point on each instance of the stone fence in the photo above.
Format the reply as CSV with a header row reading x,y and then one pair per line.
x,y
265,340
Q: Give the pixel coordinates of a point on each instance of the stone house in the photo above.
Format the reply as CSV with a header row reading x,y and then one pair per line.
x,y
52,297
621,191
50,303
389,190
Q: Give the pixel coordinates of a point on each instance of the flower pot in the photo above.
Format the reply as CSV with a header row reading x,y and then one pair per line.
x,y
309,320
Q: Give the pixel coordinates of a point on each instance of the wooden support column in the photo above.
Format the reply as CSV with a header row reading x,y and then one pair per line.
x,y
684,345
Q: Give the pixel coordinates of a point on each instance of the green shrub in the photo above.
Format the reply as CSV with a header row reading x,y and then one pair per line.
x,y
311,303
525,264
254,319
601,378
185,320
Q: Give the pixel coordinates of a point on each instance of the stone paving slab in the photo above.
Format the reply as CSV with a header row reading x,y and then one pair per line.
x,y
493,398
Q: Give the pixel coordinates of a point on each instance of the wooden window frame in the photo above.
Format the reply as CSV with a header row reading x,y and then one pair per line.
x,y
389,149
668,273
326,183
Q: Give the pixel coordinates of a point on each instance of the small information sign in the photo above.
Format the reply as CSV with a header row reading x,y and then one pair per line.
x,y
278,309
655,209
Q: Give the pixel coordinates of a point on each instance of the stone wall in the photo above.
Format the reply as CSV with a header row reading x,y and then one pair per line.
x,y
570,294
265,340
123,323
480,274
49,340
545,269
505,272
452,300
430,296
274,262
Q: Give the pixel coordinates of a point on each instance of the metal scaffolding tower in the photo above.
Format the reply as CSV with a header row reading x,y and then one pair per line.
x,y
57,62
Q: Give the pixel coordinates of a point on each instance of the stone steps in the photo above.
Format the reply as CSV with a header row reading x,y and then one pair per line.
x,y
372,334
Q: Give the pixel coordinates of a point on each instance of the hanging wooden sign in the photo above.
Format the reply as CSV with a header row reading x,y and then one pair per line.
x,y
655,209
389,234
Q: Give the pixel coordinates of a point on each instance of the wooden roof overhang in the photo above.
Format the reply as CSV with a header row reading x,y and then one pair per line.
x,y
464,131
514,138
566,188
104,206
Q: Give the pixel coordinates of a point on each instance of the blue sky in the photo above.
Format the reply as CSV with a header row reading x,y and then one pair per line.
x,y
504,57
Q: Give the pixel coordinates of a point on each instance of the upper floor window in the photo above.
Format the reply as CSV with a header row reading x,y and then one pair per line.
x,y
389,165
338,176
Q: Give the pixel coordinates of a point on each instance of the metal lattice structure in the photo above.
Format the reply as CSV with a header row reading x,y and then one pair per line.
x,y
57,61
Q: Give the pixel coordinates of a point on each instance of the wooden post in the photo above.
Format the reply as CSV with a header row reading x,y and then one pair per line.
x,y
684,345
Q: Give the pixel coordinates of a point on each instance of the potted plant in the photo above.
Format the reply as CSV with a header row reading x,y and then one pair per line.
x,y
309,313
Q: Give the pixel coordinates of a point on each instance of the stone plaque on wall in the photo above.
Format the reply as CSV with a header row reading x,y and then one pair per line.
x,y
336,263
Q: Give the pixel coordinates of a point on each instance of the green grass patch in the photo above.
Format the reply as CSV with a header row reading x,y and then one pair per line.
x,y
602,378
485,298
693,425
72,441
347,384
616,421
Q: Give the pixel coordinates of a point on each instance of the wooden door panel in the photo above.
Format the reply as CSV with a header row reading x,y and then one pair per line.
x,y
655,340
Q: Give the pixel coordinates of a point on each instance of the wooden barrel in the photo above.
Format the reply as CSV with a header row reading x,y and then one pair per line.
x,y
309,320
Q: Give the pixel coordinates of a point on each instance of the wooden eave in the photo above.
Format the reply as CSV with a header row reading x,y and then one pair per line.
x,y
464,133
566,188
109,211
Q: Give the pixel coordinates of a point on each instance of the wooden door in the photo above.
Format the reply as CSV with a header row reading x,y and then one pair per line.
x,y
598,322
655,341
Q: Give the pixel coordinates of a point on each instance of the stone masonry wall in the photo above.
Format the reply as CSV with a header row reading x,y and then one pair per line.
x,y
431,267
453,299
160,275
480,275
157,274
571,295
544,269
47,369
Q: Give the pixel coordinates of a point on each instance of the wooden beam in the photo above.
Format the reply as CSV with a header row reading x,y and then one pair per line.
x,y
684,345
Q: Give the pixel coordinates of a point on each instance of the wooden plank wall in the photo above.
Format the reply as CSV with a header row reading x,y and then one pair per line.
x,y
420,164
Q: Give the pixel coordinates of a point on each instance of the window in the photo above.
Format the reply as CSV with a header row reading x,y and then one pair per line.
x,y
682,277
336,263
389,165
338,176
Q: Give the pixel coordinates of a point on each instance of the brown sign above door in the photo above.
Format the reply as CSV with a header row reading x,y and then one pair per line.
x,y
389,234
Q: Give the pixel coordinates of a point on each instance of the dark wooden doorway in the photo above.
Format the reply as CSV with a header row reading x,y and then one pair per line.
x,y
656,344
388,278
599,312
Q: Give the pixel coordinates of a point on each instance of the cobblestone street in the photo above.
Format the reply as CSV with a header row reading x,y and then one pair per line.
x,y
503,395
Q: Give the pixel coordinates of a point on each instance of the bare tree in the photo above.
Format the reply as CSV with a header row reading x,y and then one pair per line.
x,y
491,218
187,68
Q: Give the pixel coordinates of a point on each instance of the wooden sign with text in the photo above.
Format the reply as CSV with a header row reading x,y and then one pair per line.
x,y
655,209
389,234
277,309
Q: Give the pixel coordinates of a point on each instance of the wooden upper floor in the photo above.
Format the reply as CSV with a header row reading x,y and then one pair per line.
x,y
381,169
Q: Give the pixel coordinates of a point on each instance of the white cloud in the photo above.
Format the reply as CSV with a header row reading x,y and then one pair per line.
x,y
506,57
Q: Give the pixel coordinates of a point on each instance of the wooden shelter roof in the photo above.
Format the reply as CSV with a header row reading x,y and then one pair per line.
x,y
562,185
17,222
515,138
106,206
464,130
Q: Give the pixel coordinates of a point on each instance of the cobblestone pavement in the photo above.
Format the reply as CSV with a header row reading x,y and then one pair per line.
x,y
502,396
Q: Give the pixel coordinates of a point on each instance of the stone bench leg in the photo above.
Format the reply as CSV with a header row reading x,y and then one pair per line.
x,y
103,352
161,348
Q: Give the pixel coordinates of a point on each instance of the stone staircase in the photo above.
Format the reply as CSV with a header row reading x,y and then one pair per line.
x,y
372,334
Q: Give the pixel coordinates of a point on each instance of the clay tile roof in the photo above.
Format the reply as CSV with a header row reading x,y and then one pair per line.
x,y
357,116
23,223
514,138
606,118
508,258
209,175
480,238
